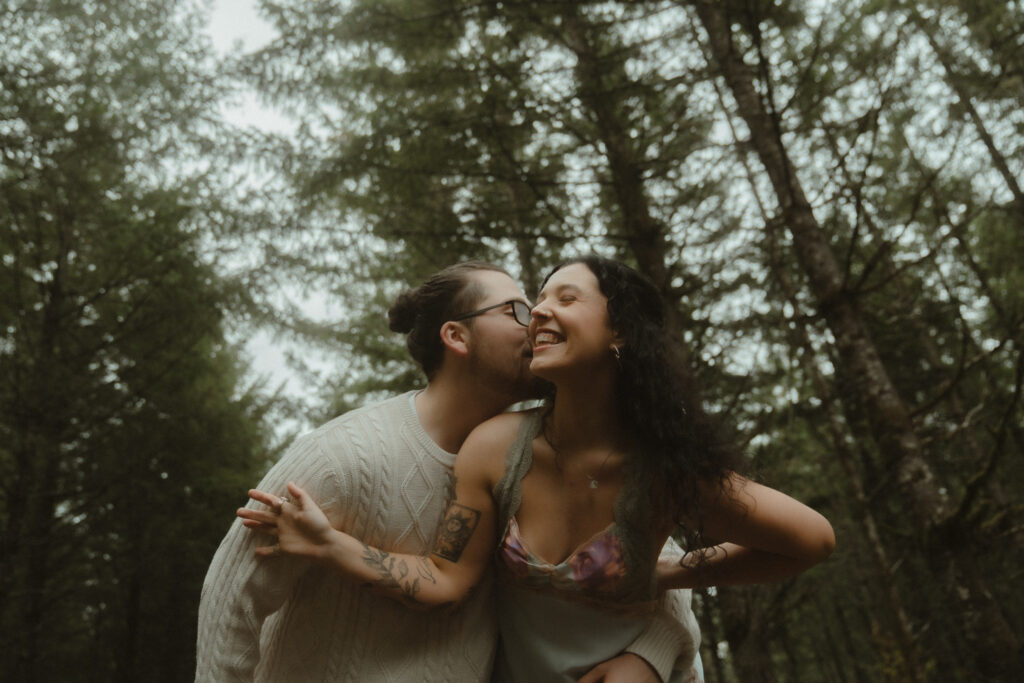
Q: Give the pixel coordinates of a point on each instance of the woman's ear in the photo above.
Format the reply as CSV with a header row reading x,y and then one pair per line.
x,y
455,337
618,342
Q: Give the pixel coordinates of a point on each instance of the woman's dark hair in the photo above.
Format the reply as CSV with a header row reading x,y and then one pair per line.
x,y
675,439
420,312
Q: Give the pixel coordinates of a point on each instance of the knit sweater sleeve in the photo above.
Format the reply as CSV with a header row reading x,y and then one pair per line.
x,y
672,637
241,590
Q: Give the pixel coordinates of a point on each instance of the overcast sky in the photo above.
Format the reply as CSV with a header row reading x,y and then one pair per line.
x,y
238,22
233,20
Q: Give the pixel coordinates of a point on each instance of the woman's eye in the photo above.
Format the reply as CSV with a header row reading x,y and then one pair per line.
x,y
567,299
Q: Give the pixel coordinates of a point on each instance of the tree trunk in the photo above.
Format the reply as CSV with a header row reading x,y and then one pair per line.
x,y
45,411
746,634
644,234
987,632
838,434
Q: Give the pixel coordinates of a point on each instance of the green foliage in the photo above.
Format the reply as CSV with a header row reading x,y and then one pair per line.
x,y
127,436
430,132
522,132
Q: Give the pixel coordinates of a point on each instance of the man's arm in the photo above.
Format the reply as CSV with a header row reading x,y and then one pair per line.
x,y
672,638
673,634
240,591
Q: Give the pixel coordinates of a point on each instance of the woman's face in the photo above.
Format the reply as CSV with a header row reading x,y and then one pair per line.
x,y
569,325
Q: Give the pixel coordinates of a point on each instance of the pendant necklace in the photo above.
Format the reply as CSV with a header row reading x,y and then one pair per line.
x,y
593,480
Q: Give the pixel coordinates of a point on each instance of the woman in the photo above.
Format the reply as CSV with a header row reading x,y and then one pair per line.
x,y
580,495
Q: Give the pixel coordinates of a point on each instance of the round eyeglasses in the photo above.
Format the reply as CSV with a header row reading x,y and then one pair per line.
x,y
520,311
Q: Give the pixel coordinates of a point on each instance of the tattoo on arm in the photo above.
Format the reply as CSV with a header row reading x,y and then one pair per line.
x,y
394,574
424,570
449,491
456,529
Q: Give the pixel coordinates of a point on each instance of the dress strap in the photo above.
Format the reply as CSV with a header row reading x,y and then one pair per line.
x,y
508,491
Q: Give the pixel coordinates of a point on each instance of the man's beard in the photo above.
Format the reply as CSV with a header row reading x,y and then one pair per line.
x,y
514,380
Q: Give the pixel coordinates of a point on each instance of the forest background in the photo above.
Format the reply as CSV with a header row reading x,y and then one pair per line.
x,y
827,194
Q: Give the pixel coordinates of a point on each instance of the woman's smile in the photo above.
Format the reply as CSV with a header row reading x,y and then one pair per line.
x,y
544,338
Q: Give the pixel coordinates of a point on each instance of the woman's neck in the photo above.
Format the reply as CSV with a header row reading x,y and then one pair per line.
x,y
584,416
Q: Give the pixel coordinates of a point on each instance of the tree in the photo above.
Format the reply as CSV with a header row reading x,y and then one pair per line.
x,y
126,431
870,377
417,154
825,195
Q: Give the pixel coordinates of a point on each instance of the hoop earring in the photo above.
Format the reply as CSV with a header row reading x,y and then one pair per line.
x,y
617,352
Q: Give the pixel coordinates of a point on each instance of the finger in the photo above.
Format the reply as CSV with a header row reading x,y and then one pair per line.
x,y
262,528
268,550
257,515
299,495
595,675
265,498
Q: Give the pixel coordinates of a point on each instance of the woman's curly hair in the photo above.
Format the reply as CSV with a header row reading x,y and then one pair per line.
x,y
677,441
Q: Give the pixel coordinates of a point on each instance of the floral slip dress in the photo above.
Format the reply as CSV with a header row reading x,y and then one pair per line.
x,y
558,621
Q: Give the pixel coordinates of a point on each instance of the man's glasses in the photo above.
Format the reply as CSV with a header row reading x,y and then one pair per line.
x,y
520,311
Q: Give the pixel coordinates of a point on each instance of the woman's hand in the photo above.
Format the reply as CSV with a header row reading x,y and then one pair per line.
x,y
672,571
462,550
301,527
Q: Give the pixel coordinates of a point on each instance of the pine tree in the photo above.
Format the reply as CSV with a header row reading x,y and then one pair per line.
x,y
128,437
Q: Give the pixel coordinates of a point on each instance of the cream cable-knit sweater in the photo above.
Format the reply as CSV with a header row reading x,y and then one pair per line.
x,y
380,478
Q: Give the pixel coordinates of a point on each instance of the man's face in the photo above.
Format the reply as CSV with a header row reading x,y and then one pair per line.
x,y
499,350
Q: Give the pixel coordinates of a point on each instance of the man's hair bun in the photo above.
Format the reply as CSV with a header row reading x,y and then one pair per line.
x,y
419,313
402,314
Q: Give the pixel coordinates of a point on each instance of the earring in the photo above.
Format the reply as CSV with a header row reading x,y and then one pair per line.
x,y
617,352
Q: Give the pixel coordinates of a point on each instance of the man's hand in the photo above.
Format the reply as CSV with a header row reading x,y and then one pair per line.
x,y
626,668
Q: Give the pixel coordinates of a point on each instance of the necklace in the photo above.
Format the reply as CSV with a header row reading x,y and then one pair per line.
x,y
593,480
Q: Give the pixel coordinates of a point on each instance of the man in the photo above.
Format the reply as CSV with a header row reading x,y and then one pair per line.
x,y
383,474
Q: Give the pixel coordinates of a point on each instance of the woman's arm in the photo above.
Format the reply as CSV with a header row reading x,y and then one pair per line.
x,y
462,549
766,536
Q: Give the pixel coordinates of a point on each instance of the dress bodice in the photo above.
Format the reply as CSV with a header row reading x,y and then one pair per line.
x,y
558,621
593,569
614,566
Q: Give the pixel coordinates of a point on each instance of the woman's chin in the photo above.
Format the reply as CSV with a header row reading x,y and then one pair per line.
x,y
538,368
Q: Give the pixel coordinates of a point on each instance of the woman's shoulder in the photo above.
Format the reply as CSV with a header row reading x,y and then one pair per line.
x,y
483,452
500,431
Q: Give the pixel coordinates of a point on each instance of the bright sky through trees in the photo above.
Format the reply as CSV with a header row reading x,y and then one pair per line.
x,y
237,20
828,195
235,26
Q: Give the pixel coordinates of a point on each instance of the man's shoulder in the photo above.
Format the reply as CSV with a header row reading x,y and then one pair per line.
x,y
388,411
360,424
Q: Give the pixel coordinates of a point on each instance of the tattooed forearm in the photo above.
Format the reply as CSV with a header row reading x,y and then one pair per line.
x,y
456,529
394,575
424,570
